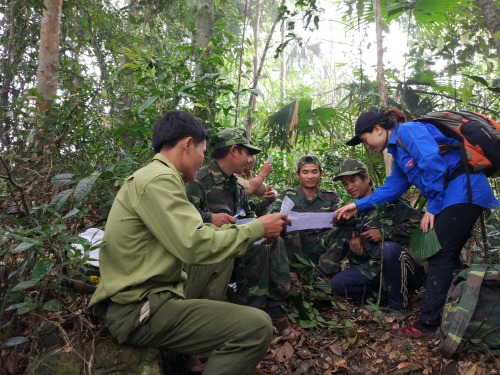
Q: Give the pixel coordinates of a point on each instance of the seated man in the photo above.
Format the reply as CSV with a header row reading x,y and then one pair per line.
x,y
309,197
262,275
151,231
390,227
254,185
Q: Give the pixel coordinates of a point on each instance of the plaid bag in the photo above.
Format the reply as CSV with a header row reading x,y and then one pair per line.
x,y
472,309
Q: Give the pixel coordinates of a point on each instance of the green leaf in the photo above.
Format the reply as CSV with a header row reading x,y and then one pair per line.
x,y
61,198
61,289
22,247
72,213
42,268
53,305
424,245
151,100
84,186
30,304
478,79
63,179
23,285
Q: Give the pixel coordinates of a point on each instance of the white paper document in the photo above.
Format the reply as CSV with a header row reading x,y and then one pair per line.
x,y
310,220
286,205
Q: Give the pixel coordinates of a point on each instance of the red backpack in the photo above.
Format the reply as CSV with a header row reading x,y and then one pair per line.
x,y
478,136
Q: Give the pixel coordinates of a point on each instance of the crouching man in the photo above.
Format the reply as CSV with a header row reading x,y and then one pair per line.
x,y
152,230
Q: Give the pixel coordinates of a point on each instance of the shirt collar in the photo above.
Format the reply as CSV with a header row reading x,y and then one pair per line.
x,y
163,159
218,174
302,195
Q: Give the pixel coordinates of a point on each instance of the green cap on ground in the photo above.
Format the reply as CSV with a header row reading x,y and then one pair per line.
x,y
308,159
234,136
350,167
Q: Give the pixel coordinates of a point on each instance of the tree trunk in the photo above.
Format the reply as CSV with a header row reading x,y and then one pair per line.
x,y
256,27
282,66
252,102
204,32
240,65
48,64
492,17
204,22
382,89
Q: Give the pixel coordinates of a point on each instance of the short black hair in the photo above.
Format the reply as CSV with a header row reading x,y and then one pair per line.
x,y
219,153
174,126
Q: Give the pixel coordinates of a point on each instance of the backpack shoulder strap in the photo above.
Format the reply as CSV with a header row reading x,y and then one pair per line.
x,y
468,304
399,140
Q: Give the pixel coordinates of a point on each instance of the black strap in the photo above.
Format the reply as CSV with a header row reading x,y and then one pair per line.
x,y
464,168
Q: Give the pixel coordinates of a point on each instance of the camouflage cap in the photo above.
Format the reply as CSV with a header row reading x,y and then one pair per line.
x,y
350,167
234,136
308,159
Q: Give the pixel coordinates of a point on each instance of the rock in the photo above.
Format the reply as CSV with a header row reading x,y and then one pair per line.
x,y
107,358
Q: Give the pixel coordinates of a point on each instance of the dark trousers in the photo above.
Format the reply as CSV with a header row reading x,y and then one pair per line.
x,y
453,227
353,284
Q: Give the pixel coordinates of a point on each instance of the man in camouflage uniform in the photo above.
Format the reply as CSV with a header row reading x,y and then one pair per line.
x,y
361,240
255,186
262,275
309,197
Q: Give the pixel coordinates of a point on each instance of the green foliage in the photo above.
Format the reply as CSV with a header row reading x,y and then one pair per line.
x,y
375,310
121,69
304,313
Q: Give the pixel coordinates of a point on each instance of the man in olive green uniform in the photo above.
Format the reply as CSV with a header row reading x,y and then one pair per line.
x,y
262,275
152,230
309,197
362,240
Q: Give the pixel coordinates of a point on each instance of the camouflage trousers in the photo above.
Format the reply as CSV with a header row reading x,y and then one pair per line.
x,y
262,276
308,244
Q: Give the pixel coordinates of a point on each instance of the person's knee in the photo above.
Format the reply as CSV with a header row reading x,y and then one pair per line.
x,y
392,252
261,323
337,284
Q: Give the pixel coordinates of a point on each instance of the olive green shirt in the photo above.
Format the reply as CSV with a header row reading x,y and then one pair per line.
x,y
152,230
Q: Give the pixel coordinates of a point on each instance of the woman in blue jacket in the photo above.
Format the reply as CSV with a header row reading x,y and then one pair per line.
x,y
418,161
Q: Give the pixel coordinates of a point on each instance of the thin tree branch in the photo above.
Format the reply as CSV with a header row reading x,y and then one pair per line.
x,y
9,178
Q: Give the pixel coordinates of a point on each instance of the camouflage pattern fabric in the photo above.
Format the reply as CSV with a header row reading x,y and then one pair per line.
x,y
306,243
472,309
262,275
257,204
397,222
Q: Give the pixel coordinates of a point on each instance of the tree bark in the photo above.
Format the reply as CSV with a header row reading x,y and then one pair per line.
x,y
48,64
240,65
204,22
252,102
283,67
382,89
492,17
204,32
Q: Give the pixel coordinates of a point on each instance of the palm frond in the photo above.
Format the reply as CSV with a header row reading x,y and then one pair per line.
x,y
424,245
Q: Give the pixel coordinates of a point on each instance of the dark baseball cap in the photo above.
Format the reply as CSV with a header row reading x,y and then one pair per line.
x,y
308,159
234,136
365,123
350,167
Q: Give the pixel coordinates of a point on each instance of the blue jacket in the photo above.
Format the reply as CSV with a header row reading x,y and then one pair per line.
x,y
422,165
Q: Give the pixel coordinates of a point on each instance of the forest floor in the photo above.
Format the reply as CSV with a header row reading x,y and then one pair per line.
x,y
365,347
358,343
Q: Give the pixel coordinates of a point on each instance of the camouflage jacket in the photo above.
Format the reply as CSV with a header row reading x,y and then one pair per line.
x,y
324,201
306,242
214,191
396,221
